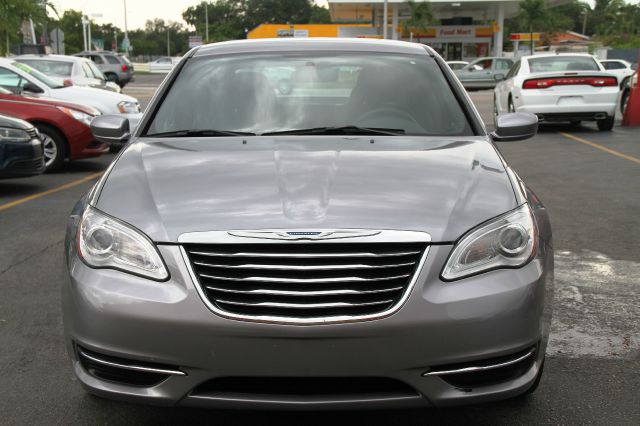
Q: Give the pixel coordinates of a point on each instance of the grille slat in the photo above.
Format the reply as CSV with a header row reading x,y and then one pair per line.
x,y
304,293
303,267
304,280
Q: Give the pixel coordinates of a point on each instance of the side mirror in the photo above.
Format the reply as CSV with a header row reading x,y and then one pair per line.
x,y
498,77
111,129
515,126
31,87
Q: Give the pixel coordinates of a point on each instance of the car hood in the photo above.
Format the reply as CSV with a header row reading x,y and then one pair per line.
x,y
104,100
167,187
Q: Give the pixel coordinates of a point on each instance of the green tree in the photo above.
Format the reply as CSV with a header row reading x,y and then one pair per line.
x,y
71,24
319,15
421,17
226,19
533,14
12,14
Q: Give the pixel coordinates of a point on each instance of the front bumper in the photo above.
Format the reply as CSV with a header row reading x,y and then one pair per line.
x,y
21,159
490,315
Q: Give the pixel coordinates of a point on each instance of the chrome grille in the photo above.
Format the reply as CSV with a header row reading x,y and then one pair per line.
x,y
305,281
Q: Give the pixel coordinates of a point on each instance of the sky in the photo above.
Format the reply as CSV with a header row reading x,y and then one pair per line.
x,y
138,11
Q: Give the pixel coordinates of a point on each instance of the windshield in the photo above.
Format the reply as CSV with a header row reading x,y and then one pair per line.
x,y
284,92
54,68
563,63
37,75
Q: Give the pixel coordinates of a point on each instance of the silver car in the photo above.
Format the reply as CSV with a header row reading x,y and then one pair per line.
x,y
484,73
353,241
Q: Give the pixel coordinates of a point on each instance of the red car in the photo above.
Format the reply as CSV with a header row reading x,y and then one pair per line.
x,y
64,127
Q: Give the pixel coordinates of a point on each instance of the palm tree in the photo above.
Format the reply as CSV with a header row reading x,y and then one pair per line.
x,y
421,16
533,13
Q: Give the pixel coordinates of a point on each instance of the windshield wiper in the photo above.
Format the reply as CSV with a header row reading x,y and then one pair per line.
x,y
199,132
342,130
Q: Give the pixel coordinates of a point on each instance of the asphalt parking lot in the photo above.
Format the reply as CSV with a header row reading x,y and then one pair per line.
x,y
589,181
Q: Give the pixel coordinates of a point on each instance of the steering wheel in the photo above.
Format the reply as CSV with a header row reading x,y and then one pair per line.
x,y
387,112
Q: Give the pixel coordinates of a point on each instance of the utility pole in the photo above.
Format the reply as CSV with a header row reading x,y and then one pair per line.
x,y
206,21
89,34
84,32
126,34
168,48
385,19
584,22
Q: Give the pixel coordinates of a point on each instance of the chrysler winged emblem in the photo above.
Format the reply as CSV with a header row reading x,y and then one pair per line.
x,y
304,234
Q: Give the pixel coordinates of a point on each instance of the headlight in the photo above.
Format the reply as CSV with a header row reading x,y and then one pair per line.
x,y
508,241
128,107
78,115
13,135
105,242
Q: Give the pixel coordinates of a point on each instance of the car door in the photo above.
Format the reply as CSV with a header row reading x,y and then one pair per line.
x,y
88,77
504,88
500,68
477,73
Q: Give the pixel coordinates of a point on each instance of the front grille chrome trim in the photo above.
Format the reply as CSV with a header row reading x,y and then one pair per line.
x,y
233,237
306,255
479,368
131,367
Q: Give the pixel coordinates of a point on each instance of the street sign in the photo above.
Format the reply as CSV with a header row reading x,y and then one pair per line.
x,y
524,36
125,44
195,41
56,37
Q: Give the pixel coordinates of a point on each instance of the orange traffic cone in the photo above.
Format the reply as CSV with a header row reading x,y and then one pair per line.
x,y
631,116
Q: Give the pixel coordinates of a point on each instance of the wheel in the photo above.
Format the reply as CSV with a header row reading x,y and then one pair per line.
x,y
55,147
495,112
606,124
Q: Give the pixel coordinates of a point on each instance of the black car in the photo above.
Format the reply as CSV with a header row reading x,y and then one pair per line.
x,y
21,151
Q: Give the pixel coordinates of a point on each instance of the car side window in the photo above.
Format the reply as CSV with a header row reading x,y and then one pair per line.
x,y
112,59
97,59
503,64
11,80
613,66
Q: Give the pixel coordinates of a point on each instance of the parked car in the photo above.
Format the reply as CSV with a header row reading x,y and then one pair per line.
x,y
620,68
64,127
21,152
163,64
484,73
626,91
457,65
69,70
21,78
361,243
571,87
116,68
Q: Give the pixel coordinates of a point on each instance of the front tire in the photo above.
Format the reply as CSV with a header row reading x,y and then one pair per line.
x,y
606,124
55,147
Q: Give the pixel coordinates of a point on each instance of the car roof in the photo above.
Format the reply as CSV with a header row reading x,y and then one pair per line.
x,y
549,55
61,58
314,44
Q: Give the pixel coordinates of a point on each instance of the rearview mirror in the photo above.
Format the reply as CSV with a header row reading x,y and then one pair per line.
x,y
31,87
498,77
515,126
111,129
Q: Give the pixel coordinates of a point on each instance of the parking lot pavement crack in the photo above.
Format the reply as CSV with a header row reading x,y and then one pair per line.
x,y
29,257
